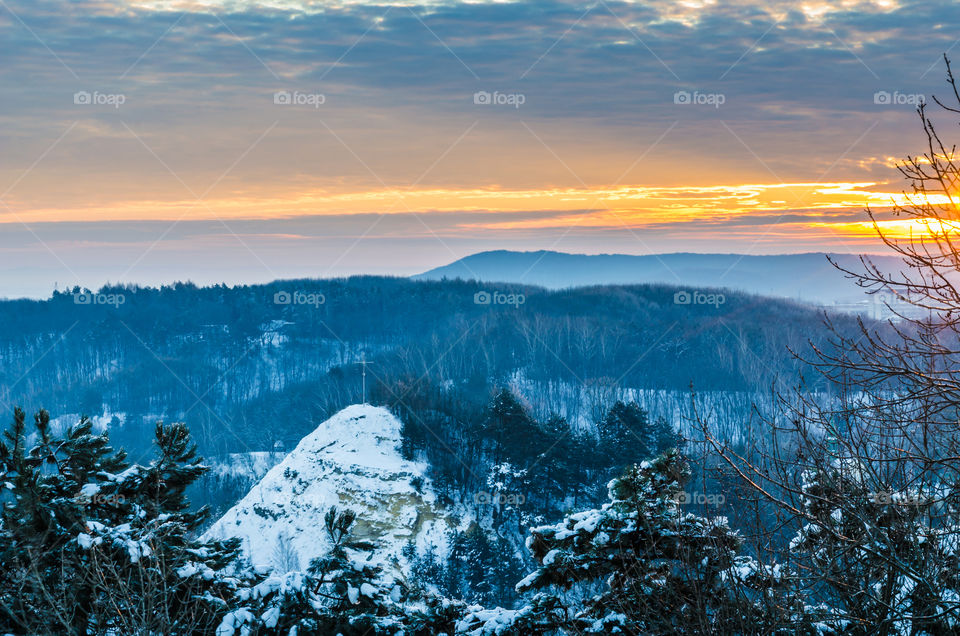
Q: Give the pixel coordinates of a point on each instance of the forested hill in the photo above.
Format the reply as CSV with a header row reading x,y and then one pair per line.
x,y
252,365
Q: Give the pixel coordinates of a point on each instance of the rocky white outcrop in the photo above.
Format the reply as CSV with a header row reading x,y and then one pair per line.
x,y
350,461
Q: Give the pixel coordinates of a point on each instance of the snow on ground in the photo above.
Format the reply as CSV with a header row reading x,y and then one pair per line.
x,y
252,464
584,405
350,461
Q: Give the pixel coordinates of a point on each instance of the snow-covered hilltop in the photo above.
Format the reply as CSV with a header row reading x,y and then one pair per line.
x,y
351,461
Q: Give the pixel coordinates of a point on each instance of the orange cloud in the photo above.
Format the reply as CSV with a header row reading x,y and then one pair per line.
x,y
802,210
662,203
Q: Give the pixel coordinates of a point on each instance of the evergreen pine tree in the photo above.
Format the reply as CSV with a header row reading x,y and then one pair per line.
x,y
92,545
553,470
513,432
625,434
663,437
659,570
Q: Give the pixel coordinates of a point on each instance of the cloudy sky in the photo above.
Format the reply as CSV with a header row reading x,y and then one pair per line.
x,y
248,140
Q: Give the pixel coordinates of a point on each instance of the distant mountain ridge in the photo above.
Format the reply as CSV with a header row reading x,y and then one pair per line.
x,y
808,277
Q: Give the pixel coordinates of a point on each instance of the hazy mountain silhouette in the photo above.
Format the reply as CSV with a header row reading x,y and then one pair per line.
x,y
809,277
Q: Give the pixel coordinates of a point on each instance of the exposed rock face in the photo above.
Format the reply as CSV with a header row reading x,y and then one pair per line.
x,y
351,461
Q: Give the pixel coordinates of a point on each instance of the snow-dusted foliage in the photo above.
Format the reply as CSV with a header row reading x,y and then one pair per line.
x,y
657,569
89,544
888,558
343,592
92,545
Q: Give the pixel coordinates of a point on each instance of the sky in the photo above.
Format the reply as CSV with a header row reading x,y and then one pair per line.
x,y
245,141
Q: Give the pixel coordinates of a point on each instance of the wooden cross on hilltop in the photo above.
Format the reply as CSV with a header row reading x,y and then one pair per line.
x,y
364,362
